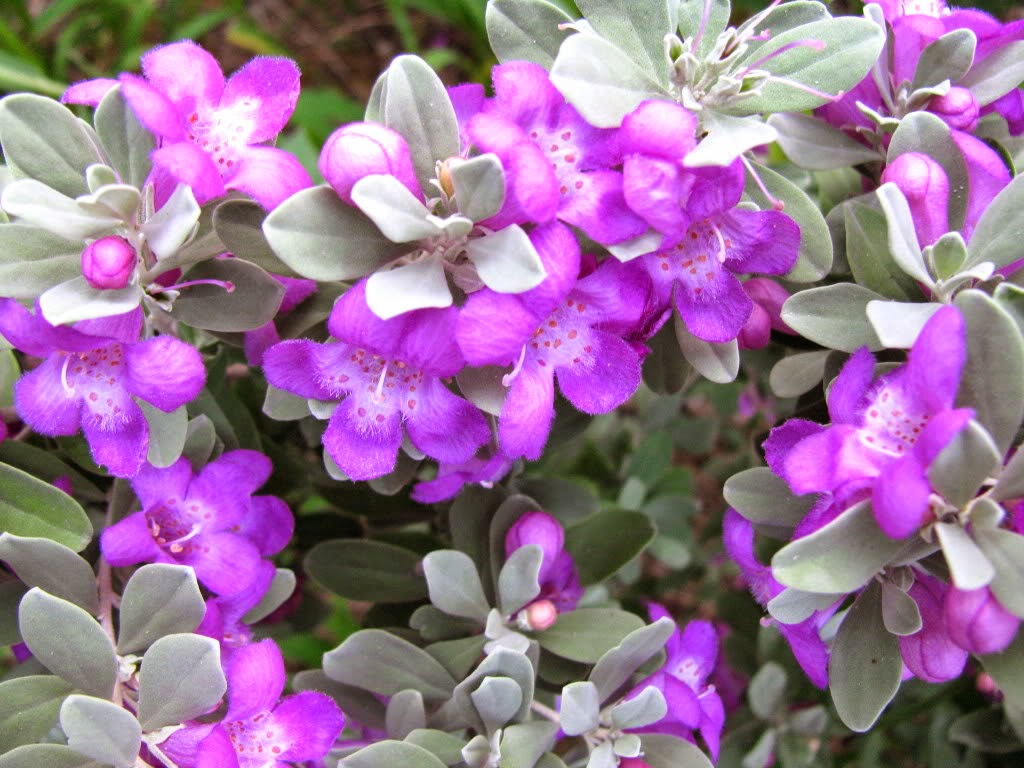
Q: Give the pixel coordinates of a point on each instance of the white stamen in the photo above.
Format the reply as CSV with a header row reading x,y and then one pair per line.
x,y
508,378
378,395
64,376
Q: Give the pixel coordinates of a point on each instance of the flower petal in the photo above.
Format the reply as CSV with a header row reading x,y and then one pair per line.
x,y
311,721
782,439
154,110
930,653
846,398
444,426
493,327
900,497
263,92
760,241
937,359
524,94
186,74
129,542
362,447
165,372
527,414
269,524
120,445
216,750
611,382
597,205
717,309
88,92
256,680
155,485
268,175
304,368
185,163
224,563
44,404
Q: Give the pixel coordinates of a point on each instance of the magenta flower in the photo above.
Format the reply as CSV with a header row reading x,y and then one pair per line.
x,y
384,374
885,432
556,164
575,331
766,314
109,263
214,135
358,150
260,729
930,653
977,622
559,581
210,521
91,376
487,467
223,618
259,340
693,703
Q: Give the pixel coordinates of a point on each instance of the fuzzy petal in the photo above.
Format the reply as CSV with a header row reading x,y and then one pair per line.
x,y
760,241
719,311
527,414
846,399
715,191
699,643
900,498
264,91
362,448
428,342
269,524
524,94
88,92
154,110
303,368
987,175
187,164
120,446
657,189
598,206
256,680
153,485
611,382
809,649
311,721
937,360
268,175
444,426
165,372
129,542
223,562
44,404
659,128
782,439
217,751
942,428
186,74
493,327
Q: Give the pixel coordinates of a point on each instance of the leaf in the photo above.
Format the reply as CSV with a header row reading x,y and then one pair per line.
x,y
993,377
28,709
903,245
398,214
518,580
834,316
506,260
897,324
483,388
52,567
851,47
159,600
792,606
69,642
647,707
446,747
603,543
46,756
579,708
839,557
796,374
11,592
640,32
181,678
125,141
1005,550
416,105
360,569
814,144
964,464
719,363
282,587
392,753
168,229
523,744
948,58
1011,479
500,663
319,237
526,30
479,186
586,634
867,250
865,666
900,613
727,138
454,584
600,80
253,301
101,730
35,203
497,700
999,231
46,142
405,713
665,369
76,300
33,259
1007,669
386,664
167,434
664,751
767,690
814,259
239,225
408,287
764,498
997,74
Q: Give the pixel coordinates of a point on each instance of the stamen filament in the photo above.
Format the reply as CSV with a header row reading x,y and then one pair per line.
x,y
64,376
227,285
378,395
508,378
808,89
777,204
703,26
817,45
722,253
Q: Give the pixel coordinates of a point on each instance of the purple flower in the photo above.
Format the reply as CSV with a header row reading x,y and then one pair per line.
x,y
885,432
958,109
223,618
213,134
109,263
259,730
930,653
385,373
573,330
559,581
693,703
487,467
91,376
210,521
804,638
698,273
358,150
258,340
977,622
556,164
766,314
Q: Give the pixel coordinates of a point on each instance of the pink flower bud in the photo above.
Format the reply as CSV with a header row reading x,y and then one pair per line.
x,y
926,187
977,622
108,263
358,150
633,762
757,331
958,109
541,615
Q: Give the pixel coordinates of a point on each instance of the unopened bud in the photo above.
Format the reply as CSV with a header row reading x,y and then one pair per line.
x,y
108,263
541,615
958,109
977,622
358,150
925,185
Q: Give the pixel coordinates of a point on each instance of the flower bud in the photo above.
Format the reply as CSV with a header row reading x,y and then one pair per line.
x,y
768,297
977,622
108,263
958,109
358,150
633,762
541,615
757,331
538,528
925,185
